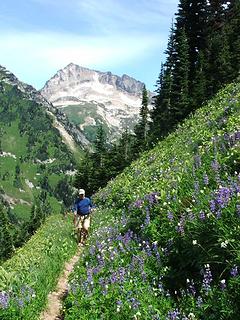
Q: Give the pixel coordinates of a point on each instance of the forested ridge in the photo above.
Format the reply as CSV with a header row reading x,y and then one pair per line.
x,y
203,55
34,162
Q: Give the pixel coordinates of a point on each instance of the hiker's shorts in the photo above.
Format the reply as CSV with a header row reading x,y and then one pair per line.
x,y
83,222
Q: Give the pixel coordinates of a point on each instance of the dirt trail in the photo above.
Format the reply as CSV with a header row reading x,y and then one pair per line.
x,y
54,306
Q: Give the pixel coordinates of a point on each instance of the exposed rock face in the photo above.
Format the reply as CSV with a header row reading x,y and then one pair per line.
x,y
36,96
90,97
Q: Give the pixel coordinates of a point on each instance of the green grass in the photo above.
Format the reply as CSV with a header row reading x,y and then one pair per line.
x,y
32,273
165,239
12,142
22,212
78,113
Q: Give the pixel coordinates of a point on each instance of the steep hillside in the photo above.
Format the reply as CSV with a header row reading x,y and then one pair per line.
x,y
27,278
165,239
34,161
92,97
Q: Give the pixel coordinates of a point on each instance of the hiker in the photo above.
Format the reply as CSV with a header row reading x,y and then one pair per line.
x,y
82,210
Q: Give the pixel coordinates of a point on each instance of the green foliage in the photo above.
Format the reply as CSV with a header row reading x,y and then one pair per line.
x,y
33,159
28,277
141,128
6,241
202,56
165,239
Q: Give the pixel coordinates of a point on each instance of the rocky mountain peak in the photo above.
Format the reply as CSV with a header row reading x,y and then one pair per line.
x,y
74,74
91,97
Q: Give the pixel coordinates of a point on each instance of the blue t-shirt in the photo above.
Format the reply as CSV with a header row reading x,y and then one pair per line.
x,y
83,206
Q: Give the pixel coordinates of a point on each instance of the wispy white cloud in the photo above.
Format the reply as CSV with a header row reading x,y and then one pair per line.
x,y
104,35
112,15
52,51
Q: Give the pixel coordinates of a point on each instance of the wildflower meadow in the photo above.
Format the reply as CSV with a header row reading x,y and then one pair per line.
x,y
165,237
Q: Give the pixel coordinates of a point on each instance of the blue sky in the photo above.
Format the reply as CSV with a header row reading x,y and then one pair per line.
x,y
39,37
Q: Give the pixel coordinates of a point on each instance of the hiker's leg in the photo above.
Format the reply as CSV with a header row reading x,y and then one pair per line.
x,y
86,225
85,235
79,235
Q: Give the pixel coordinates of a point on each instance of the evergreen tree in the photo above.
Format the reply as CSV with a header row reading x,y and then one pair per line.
x,y
100,145
84,174
232,29
219,63
180,102
124,150
199,82
99,176
192,16
17,181
160,115
63,192
6,241
141,127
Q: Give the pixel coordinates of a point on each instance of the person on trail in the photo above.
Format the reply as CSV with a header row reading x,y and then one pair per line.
x,y
82,210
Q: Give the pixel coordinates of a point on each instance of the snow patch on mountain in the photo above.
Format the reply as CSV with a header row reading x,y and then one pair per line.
x,y
117,99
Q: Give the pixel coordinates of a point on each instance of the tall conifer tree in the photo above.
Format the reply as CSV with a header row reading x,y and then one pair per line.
x,y
141,127
160,113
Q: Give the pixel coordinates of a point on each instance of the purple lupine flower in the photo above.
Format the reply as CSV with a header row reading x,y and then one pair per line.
x,y
147,219
20,302
197,161
113,277
212,205
100,260
127,237
155,250
148,250
199,301
202,215
138,203
226,136
215,165
96,270
205,179
89,275
174,315
223,284
191,287
207,279
119,303
121,274
152,198
234,271
92,250
134,303
4,299
223,196
170,215
180,226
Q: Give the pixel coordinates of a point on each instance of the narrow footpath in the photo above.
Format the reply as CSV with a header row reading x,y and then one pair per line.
x,y
54,305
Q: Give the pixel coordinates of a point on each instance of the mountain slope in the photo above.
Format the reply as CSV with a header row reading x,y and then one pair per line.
x,y
91,97
35,164
165,240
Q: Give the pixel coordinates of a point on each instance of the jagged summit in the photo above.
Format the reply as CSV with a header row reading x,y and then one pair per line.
x,y
75,74
90,97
